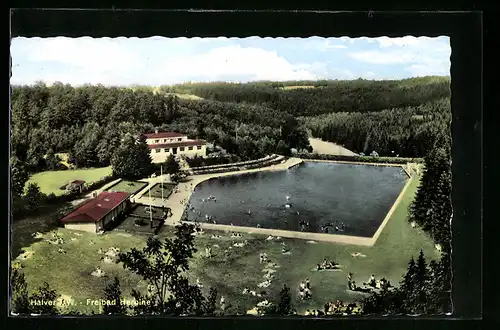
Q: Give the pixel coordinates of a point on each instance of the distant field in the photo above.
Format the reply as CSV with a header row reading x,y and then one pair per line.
x,y
130,187
298,87
187,96
51,181
328,148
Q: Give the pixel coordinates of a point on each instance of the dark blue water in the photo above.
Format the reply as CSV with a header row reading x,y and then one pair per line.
x,y
354,198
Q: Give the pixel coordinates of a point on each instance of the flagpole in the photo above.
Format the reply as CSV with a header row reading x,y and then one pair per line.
x,y
150,207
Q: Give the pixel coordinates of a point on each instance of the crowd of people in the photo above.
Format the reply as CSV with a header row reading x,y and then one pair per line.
x,y
305,290
327,265
372,283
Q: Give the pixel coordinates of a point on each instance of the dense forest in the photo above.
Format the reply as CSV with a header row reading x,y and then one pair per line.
x,y
326,96
407,132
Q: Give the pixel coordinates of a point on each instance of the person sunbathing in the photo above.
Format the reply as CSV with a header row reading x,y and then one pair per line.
x,y
331,265
372,282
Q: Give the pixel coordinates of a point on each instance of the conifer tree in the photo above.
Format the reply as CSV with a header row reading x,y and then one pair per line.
x,y
284,304
422,285
112,294
20,299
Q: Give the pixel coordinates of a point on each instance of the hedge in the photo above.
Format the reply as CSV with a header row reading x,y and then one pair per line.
x,y
361,159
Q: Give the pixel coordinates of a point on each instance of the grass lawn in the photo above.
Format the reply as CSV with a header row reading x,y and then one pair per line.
x,y
240,268
156,190
130,187
51,181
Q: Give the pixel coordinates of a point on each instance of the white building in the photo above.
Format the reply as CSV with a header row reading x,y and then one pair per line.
x,y
164,144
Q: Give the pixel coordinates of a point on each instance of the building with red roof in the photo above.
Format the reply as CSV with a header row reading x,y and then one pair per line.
x,y
164,144
94,215
76,184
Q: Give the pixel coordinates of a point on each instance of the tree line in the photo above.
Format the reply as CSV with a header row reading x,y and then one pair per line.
x,y
407,132
426,287
327,96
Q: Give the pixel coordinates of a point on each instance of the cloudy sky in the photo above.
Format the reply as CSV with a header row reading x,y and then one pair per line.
x,y
162,61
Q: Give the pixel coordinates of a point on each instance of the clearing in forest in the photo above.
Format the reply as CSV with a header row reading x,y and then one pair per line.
x,y
329,148
52,181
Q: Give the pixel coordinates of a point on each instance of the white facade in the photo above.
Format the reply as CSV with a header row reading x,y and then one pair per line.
x,y
162,145
90,227
160,155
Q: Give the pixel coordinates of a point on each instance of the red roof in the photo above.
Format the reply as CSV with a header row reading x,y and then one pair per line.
x,y
95,209
163,135
177,144
78,182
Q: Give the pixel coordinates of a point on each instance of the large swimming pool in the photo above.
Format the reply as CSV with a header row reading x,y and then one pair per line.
x,y
346,199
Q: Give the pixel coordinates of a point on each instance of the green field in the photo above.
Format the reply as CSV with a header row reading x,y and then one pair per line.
x,y
130,187
241,268
298,87
51,181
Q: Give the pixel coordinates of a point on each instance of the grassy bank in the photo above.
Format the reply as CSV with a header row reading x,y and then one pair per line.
x,y
51,181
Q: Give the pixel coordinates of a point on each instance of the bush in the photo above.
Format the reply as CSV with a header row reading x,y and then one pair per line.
x,y
361,159
140,222
198,161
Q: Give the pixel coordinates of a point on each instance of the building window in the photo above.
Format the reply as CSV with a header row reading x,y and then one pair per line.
x,y
158,150
181,149
198,147
179,139
164,140
171,140
166,149
190,148
157,141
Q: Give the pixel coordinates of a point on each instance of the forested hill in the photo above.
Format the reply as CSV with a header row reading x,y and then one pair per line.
x,y
409,132
90,121
308,98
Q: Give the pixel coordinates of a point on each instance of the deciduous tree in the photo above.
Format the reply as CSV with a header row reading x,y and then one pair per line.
x,y
132,159
162,265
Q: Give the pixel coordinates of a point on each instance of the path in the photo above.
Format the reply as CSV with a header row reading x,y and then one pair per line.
x,y
329,148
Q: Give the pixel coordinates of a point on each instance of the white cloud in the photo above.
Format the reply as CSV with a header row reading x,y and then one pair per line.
x,y
368,75
347,39
89,53
336,46
378,57
234,61
423,55
110,62
158,60
403,41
